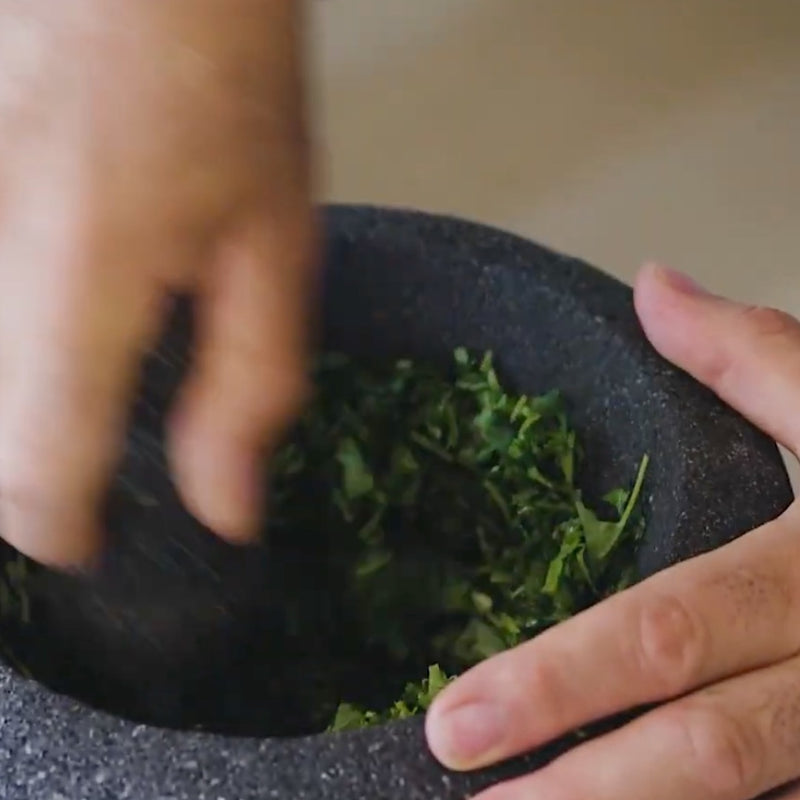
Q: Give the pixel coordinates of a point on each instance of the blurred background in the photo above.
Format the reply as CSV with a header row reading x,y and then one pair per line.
x,y
615,130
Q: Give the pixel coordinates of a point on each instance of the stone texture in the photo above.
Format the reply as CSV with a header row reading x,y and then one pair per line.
x,y
397,283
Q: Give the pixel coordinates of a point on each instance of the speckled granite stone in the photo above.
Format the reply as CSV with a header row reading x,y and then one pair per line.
x,y
398,283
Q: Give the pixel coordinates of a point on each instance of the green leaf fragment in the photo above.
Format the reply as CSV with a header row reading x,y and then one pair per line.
x,y
602,536
357,480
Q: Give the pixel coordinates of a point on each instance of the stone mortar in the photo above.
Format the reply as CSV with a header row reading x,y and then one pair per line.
x,y
397,283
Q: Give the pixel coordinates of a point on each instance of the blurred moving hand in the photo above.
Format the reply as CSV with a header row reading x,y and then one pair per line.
x,y
147,148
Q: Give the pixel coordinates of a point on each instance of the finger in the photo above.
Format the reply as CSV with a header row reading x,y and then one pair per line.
x,y
714,616
249,377
732,742
749,356
71,343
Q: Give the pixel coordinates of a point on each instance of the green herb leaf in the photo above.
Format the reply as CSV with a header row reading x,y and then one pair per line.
x,y
357,478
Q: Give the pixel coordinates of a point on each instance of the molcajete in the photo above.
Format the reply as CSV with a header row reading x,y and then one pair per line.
x,y
127,657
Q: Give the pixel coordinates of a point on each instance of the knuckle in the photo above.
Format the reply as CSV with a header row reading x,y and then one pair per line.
x,y
542,680
721,752
718,368
762,323
770,322
542,685
672,645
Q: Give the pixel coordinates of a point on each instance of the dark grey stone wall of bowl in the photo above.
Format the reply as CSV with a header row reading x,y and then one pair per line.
x,y
397,283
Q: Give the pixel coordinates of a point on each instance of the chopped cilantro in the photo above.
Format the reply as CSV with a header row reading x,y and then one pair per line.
x,y
456,502
451,527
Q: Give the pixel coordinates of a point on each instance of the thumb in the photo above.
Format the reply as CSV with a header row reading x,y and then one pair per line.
x,y
749,356
249,376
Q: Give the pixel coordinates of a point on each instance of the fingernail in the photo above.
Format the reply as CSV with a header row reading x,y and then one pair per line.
x,y
678,281
223,485
234,500
468,736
